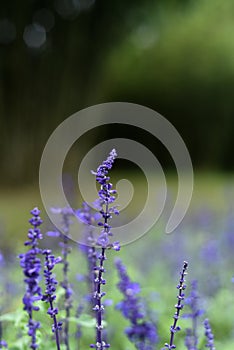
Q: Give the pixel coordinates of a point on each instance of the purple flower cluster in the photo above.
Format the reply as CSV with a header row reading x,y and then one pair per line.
x,y
192,301
179,306
189,340
141,332
3,344
49,296
106,197
31,266
89,218
209,335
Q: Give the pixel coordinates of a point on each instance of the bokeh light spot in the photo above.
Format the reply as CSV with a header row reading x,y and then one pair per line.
x,y
34,36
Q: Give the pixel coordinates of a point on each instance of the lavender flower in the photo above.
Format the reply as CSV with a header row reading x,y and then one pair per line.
x,y
192,301
106,197
189,339
209,335
3,344
141,332
179,306
49,296
79,311
31,266
88,218
66,214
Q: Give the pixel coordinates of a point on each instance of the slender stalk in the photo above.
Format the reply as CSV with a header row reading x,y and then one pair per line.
x,y
67,213
179,306
49,296
56,328
100,307
65,285
106,196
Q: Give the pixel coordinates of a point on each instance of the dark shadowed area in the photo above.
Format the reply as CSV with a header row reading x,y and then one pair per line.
x,y
58,57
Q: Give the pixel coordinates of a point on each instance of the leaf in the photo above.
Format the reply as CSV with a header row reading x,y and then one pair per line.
x,y
60,292
84,320
16,316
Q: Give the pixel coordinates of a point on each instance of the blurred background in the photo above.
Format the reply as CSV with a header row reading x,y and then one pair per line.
x,y
59,56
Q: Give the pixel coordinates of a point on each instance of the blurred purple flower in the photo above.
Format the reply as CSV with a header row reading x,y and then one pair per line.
x,y
2,260
3,344
209,335
66,214
210,251
192,301
89,218
141,332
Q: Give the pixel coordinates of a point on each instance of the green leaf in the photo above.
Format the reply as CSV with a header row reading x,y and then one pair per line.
x,y
84,320
17,317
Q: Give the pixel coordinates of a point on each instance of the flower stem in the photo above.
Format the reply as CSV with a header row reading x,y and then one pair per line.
x,y
179,306
56,328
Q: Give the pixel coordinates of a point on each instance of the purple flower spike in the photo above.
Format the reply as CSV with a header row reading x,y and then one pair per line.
x,y
89,218
106,197
209,335
142,332
31,266
66,213
192,301
179,306
49,296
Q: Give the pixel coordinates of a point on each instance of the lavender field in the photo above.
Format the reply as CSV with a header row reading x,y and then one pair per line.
x,y
140,279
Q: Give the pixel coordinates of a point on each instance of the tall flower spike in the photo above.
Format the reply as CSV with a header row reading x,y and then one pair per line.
x,y
192,301
209,335
142,332
106,197
179,306
89,218
49,296
66,214
31,266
